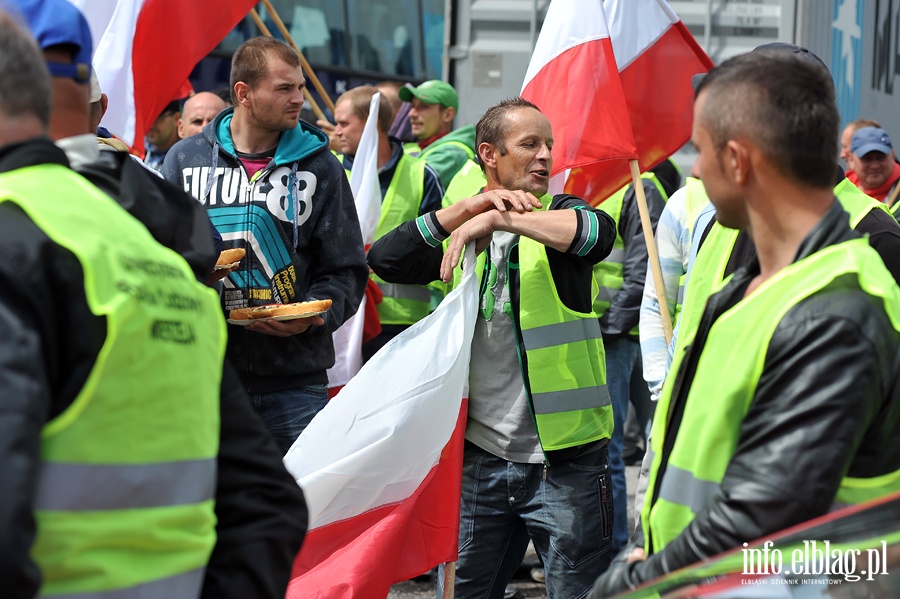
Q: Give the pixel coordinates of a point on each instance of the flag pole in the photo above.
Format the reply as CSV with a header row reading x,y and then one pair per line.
x,y
306,66
652,252
306,95
449,579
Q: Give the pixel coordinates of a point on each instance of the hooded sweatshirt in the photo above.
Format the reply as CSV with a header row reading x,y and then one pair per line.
x,y
447,158
297,221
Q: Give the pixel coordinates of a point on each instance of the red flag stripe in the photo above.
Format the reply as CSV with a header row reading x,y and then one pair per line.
x,y
364,555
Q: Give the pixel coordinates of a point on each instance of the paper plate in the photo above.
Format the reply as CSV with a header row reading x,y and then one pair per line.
x,y
244,323
224,266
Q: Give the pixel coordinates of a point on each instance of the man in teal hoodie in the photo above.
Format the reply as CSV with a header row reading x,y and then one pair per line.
x,y
272,187
433,106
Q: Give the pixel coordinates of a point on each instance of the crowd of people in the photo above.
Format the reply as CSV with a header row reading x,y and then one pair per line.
x,y
141,437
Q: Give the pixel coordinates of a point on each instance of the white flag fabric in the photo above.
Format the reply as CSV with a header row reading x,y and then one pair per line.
x,y
367,461
367,196
364,176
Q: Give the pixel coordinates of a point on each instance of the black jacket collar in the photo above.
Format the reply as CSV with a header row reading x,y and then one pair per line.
x,y
31,152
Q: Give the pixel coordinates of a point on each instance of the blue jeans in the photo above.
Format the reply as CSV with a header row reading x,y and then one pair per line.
x,y
286,413
568,517
625,379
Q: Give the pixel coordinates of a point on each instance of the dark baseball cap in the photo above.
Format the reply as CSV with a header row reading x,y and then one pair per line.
x,y
58,23
803,53
432,92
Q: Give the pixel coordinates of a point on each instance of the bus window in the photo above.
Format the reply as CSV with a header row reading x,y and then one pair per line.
x,y
385,35
433,30
317,27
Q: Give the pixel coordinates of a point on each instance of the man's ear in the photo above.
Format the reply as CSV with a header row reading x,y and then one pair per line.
x,y
487,153
448,115
241,92
737,161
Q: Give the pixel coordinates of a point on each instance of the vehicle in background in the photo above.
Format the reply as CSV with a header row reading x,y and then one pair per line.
x,y
483,47
851,553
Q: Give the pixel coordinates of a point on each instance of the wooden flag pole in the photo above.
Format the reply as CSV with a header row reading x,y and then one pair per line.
x,y
449,579
652,253
306,66
306,95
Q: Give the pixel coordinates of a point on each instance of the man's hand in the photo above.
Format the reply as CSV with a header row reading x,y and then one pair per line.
x,y
217,275
622,575
637,555
502,200
286,328
480,228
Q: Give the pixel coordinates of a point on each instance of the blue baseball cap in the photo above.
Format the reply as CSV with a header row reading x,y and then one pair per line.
x,y
871,139
56,23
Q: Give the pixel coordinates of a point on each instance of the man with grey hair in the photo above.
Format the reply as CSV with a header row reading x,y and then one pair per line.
x,y
123,457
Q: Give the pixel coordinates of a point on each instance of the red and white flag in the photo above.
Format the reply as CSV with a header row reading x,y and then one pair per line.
x,y
348,339
381,465
639,48
144,51
573,79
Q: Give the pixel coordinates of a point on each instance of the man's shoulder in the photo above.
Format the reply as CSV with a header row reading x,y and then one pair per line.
x,y
843,301
191,151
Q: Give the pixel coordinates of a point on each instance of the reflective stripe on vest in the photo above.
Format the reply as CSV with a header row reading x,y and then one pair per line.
x,y
707,437
147,415
180,585
610,273
416,293
92,487
683,488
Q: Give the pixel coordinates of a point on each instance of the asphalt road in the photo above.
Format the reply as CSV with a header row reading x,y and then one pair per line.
x,y
528,589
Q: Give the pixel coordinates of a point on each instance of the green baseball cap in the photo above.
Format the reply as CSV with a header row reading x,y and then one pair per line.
x,y
432,92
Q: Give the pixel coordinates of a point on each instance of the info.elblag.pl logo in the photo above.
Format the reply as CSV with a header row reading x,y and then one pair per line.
x,y
816,558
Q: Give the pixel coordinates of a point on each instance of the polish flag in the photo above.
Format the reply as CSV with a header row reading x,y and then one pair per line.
x,y
144,51
348,339
644,52
573,79
381,465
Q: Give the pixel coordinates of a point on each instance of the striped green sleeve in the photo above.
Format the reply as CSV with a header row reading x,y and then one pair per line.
x,y
431,230
586,235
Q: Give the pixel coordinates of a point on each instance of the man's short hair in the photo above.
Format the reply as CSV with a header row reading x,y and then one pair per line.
x,y
860,123
491,127
250,61
784,105
361,97
24,78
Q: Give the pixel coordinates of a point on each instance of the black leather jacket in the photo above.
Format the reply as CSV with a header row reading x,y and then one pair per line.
x,y
827,406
